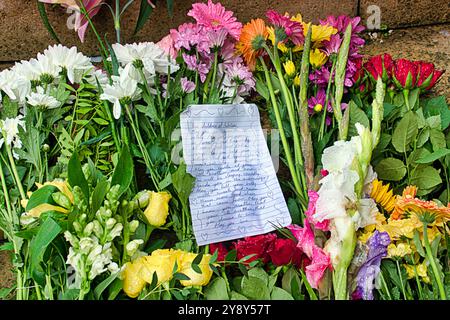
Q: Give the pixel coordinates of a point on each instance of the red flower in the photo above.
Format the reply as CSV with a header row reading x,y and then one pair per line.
x,y
380,66
405,74
427,74
285,251
259,246
359,71
221,248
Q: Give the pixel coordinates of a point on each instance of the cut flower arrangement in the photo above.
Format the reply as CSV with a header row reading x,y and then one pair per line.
x,y
93,207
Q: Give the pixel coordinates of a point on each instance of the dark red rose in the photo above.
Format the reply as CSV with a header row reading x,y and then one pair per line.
x,y
380,67
221,248
405,74
359,71
427,74
258,245
285,251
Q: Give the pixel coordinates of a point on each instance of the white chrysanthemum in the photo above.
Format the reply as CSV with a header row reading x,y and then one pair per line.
x,y
124,89
24,69
10,131
97,76
41,100
153,58
14,86
72,61
44,68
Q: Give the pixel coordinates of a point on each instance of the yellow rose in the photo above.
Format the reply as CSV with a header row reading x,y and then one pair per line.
x,y
132,282
196,279
162,262
158,208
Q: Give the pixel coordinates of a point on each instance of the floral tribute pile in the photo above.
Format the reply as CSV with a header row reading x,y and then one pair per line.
x,y
92,207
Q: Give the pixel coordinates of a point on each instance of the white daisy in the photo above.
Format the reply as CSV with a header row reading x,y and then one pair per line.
x,y
41,100
123,90
45,68
95,75
14,86
73,62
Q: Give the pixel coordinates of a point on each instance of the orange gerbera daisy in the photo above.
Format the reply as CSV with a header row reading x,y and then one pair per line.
x,y
253,36
409,203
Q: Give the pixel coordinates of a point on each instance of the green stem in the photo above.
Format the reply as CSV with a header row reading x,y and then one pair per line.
x,y
401,279
340,274
113,127
213,82
19,295
38,291
5,191
287,151
117,21
325,107
432,262
406,97
15,173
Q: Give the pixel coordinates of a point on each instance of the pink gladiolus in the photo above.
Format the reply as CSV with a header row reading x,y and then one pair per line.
x,y
324,225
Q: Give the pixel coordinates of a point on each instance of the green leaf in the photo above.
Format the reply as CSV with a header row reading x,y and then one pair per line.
x,y
390,169
123,172
183,182
195,263
99,193
405,132
437,106
418,244
434,122
286,281
423,137
40,196
237,296
76,176
434,156
425,178
149,111
416,155
437,139
144,13
259,273
280,294
217,290
104,284
356,116
46,22
262,89
255,288
46,234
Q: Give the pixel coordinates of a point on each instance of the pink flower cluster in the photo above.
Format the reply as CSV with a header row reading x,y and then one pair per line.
x,y
215,31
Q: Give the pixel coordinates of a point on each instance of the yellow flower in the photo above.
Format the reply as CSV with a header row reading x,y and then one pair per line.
x,y
160,261
196,279
319,33
132,281
382,195
399,250
62,185
399,228
317,58
421,270
289,68
158,208
318,107
297,80
44,207
364,236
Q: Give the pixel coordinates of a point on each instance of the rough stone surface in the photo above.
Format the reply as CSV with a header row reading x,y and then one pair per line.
x,y
6,276
430,44
23,34
402,13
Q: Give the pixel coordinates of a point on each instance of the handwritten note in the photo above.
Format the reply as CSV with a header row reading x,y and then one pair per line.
x,y
236,193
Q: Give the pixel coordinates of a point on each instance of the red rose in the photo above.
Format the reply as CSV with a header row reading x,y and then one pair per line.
x,y
380,67
427,74
222,250
405,74
285,251
256,245
359,71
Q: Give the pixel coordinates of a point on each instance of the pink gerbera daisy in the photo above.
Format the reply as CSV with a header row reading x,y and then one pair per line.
x,y
214,16
292,29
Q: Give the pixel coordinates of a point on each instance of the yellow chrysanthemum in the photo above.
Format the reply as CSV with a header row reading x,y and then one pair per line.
x,y
421,270
319,33
399,228
297,80
317,58
399,250
289,68
281,46
382,195
364,236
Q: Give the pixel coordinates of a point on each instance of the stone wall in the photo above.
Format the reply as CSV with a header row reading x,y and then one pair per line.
x,y
23,35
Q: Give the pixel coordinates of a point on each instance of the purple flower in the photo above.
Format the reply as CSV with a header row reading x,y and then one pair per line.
x,y
199,66
292,29
316,104
189,36
332,46
187,85
217,38
237,75
369,271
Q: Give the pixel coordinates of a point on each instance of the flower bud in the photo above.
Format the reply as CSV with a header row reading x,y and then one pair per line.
x,y
88,229
97,228
115,232
77,227
61,199
158,208
133,225
132,246
142,198
45,148
110,223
